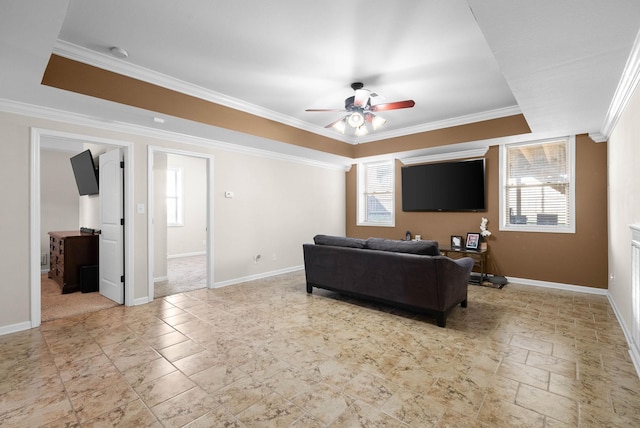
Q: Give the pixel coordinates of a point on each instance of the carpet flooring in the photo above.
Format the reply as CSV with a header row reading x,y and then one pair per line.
x,y
55,305
185,274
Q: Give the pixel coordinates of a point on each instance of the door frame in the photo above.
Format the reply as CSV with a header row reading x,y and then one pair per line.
x,y
34,213
151,151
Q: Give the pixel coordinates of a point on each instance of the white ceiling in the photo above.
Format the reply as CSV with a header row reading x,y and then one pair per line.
x,y
557,62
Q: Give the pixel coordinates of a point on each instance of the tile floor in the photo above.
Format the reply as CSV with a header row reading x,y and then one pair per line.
x,y
267,354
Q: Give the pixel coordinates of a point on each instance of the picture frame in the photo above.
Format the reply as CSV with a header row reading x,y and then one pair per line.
x,y
456,242
473,241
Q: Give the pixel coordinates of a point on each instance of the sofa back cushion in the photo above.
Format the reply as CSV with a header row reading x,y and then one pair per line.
x,y
339,241
424,247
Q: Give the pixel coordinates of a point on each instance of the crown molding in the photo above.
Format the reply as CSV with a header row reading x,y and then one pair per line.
x,y
118,66
108,62
597,137
47,113
626,87
447,123
463,154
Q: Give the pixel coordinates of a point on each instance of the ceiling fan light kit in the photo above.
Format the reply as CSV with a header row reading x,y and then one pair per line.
x,y
356,119
377,122
359,107
340,125
360,131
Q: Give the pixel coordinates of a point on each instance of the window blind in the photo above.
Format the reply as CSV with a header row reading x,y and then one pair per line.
x,y
538,185
376,203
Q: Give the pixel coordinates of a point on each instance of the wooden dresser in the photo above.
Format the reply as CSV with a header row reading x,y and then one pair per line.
x,y
68,252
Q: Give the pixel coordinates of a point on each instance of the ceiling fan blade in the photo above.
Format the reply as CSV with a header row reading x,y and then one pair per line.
x,y
325,109
361,97
393,106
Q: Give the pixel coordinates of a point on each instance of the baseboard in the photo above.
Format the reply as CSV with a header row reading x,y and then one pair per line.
x,y
141,301
14,328
558,286
633,350
257,276
161,278
179,256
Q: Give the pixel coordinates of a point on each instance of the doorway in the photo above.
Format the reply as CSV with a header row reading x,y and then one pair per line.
x,y
41,139
181,221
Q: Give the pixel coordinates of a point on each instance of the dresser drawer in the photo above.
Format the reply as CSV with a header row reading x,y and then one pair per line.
x,y
69,252
57,274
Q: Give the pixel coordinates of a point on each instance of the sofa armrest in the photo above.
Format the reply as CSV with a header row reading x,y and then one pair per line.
x,y
453,279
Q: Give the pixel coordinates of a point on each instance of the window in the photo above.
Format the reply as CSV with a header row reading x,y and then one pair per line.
x,y
538,187
174,197
376,200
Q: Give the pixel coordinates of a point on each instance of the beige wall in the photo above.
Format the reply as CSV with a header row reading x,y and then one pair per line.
x,y
14,218
59,201
624,204
160,217
574,259
279,205
188,238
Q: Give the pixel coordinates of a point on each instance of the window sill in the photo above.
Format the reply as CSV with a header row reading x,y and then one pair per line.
x,y
377,224
538,229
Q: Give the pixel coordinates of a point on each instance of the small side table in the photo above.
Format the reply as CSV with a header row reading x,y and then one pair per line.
x,y
478,256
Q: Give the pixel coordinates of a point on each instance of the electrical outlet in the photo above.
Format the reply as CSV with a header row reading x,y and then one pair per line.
x,y
274,257
43,259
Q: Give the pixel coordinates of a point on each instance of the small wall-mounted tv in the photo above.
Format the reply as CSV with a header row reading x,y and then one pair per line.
x,y
444,186
85,172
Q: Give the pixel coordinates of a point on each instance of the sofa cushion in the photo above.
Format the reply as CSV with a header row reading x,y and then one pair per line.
x,y
424,247
339,241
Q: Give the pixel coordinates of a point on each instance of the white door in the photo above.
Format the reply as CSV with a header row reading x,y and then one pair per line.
x,y
111,219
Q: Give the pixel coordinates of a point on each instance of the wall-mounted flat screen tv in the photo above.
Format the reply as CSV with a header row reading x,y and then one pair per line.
x,y
444,186
85,172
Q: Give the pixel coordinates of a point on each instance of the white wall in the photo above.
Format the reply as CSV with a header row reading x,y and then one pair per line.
x,y
59,200
624,204
279,205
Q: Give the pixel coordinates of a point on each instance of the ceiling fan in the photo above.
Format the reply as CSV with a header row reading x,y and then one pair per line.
x,y
361,108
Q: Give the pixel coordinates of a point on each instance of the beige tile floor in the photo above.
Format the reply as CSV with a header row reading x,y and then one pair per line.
x,y
267,354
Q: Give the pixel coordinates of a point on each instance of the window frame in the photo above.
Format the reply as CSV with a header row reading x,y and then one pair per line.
x,y
179,197
571,158
361,206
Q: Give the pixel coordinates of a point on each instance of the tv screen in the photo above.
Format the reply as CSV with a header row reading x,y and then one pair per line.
x,y
85,172
444,186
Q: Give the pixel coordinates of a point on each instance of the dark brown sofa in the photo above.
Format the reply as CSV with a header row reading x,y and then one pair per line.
x,y
407,274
